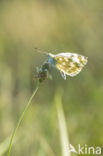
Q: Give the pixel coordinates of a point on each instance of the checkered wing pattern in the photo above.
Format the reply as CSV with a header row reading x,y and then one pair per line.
x,y
70,63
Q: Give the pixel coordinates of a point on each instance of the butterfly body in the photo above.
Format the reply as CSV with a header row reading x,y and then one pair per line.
x,y
51,59
67,63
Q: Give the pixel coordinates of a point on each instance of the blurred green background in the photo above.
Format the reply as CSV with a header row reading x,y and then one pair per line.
x,y
53,26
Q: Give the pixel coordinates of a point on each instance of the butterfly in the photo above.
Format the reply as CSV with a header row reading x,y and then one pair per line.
x,y
67,63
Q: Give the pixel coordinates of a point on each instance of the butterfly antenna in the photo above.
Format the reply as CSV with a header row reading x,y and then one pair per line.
x,y
40,51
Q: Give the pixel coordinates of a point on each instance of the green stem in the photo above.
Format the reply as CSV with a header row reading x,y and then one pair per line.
x,y
21,118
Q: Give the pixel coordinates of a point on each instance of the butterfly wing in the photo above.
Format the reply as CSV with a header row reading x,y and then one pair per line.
x,y
70,63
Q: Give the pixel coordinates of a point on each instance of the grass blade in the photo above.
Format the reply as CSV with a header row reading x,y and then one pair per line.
x,y
62,125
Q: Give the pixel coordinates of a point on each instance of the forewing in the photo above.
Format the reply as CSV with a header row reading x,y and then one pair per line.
x,y
70,63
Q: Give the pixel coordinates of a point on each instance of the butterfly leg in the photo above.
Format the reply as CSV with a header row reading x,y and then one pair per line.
x,y
63,75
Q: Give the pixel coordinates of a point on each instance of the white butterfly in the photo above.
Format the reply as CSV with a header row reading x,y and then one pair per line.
x,y
67,63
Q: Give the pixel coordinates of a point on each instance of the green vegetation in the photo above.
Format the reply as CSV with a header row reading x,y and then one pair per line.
x,y
53,26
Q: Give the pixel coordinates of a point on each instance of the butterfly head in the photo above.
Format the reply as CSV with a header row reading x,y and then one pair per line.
x,y
51,59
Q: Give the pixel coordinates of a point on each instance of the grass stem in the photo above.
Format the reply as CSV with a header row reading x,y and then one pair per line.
x,y
21,117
